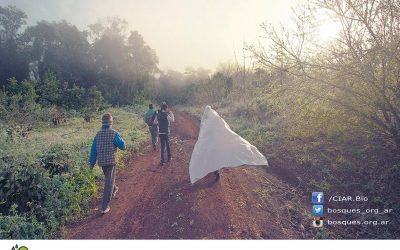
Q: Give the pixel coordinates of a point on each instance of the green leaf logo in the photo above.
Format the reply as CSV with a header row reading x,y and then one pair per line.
x,y
21,248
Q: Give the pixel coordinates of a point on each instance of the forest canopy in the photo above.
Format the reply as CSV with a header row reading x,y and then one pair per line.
x,y
107,55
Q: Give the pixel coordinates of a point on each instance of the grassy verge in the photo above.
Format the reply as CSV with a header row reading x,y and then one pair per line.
x,y
44,177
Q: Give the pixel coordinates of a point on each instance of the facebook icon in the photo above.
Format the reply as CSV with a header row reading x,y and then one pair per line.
x,y
318,197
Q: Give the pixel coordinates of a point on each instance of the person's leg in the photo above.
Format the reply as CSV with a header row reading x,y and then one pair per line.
x,y
154,136
151,129
162,141
168,147
151,132
108,186
115,187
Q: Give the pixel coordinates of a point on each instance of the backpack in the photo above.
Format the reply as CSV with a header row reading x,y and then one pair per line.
x,y
163,123
150,121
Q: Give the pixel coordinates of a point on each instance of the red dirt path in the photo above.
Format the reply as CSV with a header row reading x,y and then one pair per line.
x,y
156,202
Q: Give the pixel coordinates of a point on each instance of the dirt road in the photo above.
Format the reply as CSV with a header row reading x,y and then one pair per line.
x,y
157,202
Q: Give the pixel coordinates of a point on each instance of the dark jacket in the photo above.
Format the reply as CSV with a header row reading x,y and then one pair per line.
x,y
164,120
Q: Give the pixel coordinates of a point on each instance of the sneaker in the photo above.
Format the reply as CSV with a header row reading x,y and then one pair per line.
x,y
169,159
115,191
106,211
161,163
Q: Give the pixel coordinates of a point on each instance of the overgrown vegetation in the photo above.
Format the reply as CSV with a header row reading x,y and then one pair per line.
x,y
44,177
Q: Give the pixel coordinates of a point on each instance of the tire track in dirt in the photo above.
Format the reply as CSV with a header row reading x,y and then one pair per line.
x,y
158,202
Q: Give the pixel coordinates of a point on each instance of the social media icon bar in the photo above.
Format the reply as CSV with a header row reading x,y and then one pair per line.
x,y
318,198
317,210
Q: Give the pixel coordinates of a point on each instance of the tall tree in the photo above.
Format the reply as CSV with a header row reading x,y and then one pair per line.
x,y
11,20
357,72
143,59
12,60
124,63
63,49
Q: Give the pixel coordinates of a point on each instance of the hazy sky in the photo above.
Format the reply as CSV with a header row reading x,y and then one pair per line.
x,y
198,33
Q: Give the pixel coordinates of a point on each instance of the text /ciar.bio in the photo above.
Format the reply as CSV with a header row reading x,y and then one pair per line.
x,y
349,198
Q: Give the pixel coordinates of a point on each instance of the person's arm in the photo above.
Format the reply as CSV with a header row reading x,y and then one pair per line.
x,y
171,117
119,142
155,122
93,154
144,117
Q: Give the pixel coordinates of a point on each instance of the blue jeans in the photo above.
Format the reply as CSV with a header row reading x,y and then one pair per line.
x,y
165,142
154,134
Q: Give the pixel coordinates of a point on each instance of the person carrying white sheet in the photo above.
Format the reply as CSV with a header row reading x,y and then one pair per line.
x,y
219,147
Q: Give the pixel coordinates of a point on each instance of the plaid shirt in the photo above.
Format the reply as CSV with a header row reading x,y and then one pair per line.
x,y
104,147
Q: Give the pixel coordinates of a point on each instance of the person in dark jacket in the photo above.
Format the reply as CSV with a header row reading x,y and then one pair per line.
x,y
149,118
164,119
103,151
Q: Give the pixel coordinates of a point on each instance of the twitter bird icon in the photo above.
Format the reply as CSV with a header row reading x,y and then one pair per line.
x,y
317,210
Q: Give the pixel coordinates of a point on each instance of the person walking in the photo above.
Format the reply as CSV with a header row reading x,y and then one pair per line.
x,y
103,151
149,118
164,119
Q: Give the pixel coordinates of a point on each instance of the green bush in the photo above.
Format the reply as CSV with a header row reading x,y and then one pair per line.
x,y
37,200
21,184
21,227
55,163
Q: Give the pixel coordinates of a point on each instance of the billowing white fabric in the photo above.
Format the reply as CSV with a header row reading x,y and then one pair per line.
x,y
219,147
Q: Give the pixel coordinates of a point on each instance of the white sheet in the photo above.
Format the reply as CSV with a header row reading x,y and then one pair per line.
x,y
219,147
